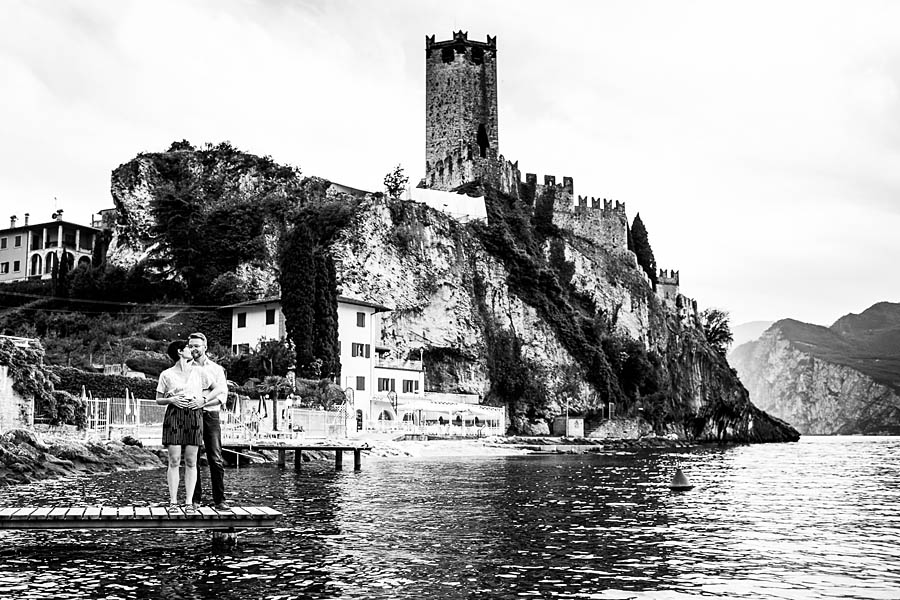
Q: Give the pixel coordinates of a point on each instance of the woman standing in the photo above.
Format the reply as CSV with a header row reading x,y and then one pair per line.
x,y
181,388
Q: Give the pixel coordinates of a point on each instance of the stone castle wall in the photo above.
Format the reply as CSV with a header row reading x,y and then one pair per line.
x,y
603,222
463,164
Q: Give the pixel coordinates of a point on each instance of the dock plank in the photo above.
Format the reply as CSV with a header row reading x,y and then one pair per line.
x,y
40,513
135,517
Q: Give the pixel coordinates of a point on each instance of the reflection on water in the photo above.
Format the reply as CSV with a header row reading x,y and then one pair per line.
x,y
808,520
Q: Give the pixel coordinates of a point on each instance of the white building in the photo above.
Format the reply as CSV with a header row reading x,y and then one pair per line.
x,y
30,251
376,384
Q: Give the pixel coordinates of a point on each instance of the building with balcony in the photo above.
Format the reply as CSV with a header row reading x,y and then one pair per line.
x,y
376,384
30,251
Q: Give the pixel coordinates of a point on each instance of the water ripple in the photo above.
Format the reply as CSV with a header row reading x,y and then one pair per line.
x,y
816,519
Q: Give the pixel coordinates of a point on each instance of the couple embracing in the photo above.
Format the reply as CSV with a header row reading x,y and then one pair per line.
x,y
193,391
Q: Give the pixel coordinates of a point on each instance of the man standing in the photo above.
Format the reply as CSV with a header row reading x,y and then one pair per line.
x,y
212,431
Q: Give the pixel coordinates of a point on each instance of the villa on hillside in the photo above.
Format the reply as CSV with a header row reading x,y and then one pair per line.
x,y
30,251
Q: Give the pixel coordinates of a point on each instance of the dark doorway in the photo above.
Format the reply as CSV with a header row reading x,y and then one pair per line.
x,y
482,140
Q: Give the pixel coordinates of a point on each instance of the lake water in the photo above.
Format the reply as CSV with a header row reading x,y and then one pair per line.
x,y
815,519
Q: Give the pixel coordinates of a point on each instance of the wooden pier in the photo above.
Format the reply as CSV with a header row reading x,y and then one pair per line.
x,y
298,449
135,517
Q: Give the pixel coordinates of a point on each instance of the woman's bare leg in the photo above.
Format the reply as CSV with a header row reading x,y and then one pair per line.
x,y
172,474
190,472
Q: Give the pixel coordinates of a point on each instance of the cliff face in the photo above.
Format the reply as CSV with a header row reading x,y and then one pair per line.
x,y
837,380
451,296
527,315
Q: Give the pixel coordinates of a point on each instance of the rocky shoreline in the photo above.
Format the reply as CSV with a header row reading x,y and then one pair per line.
x,y
26,457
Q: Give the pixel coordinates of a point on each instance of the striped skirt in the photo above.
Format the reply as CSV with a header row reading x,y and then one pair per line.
x,y
182,427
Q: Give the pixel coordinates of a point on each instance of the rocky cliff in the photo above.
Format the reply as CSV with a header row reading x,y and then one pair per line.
x,y
842,379
524,313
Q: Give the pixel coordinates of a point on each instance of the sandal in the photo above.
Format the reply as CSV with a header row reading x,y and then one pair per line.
x,y
190,510
173,509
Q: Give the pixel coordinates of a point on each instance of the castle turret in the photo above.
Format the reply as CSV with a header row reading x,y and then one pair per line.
x,y
667,284
461,125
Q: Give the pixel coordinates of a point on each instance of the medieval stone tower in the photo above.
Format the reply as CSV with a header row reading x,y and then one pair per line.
x,y
461,125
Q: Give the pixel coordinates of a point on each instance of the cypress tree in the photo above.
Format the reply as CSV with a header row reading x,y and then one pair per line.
x,y
325,340
642,249
62,278
298,294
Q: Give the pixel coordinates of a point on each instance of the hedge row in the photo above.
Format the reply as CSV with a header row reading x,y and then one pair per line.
x,y
103,386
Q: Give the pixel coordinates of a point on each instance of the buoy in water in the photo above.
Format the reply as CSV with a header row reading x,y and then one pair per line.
x,y
680,483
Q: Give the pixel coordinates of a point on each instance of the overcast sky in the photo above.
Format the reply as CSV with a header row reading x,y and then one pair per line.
x,y
759,141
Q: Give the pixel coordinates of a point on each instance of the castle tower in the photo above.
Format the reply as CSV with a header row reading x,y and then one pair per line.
x,y
461,130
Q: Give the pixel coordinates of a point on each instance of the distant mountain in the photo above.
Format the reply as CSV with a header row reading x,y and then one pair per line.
x,y
823,380
747,332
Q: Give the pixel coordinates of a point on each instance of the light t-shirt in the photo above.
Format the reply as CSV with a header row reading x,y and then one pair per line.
x,y
191,382
216,375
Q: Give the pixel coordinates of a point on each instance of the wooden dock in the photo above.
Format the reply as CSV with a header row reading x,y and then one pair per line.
x,y
298,449
135,517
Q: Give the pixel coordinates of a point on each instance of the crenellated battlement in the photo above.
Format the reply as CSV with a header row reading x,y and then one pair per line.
x,y
598,204
667,278
463,164
460,38
568,183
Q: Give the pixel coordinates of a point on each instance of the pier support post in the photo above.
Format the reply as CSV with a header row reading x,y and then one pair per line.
x,y
298,459
357,459
224,539
338,460
281,454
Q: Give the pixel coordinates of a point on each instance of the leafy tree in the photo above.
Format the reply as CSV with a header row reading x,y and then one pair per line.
x,y
717,329
30,377
395,182
183,145
181,221
642,249
272,357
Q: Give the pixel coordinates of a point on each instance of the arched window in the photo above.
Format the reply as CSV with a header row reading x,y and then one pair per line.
x,y
36,264
50,261
482,139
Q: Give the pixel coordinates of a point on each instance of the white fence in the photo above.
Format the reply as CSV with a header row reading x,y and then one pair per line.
x,y
114,418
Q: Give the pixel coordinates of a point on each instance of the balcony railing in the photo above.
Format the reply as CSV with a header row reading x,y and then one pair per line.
x,y
396,363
